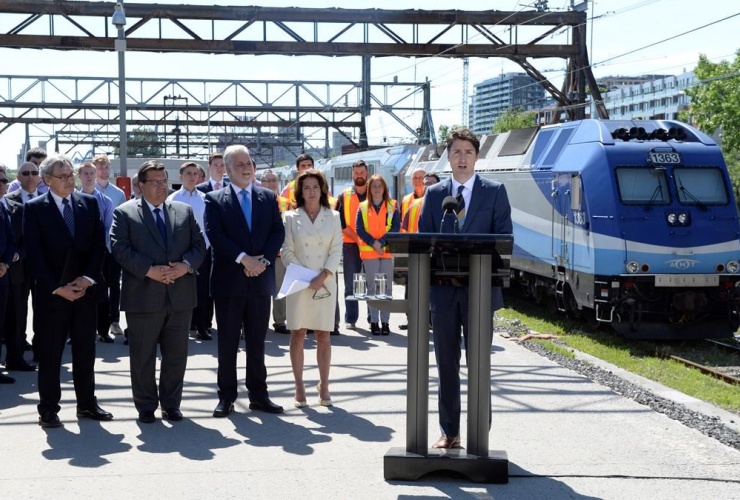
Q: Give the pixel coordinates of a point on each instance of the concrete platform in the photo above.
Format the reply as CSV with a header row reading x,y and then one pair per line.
x,y
565,436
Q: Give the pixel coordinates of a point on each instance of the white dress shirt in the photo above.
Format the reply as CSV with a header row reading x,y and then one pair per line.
x,y
467,192
25,195
220,184
197,201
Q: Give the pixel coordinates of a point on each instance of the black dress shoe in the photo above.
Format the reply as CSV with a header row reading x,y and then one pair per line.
x,y
6,379
147,417
280,329
204,336
374,329
49,420
335,332
106,338
223,408
22,366
94,412
404,326
27,346
173,414
385,329
265,405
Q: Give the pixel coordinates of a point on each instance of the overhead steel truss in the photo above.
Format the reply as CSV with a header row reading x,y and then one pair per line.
x,y
201,114
314,31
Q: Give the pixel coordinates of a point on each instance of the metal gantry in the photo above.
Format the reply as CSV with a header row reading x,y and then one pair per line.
x,y
84,110
81,25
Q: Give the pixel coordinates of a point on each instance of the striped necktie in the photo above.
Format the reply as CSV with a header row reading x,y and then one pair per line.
x,y
460,206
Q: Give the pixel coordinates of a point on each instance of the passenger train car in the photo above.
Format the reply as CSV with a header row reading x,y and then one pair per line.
x,y
628,223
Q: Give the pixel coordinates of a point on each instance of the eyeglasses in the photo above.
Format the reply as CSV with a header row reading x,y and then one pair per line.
x,y
35,173
158,183
323,294
65,178
4,181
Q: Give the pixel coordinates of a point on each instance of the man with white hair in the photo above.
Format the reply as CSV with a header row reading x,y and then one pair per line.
x,y
246,232
64,238
417,182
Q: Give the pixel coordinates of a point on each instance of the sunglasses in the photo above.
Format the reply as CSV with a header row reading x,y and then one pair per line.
x,y
4,181
35,173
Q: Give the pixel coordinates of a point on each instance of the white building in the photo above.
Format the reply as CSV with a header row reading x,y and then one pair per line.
x,y
659,99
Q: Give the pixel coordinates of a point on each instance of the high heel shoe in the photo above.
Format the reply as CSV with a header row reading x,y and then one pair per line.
x,y
323,402
300,404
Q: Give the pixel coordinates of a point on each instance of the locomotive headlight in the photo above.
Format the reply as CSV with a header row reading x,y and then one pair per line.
x,y
732,267
632,267
683,218
672,219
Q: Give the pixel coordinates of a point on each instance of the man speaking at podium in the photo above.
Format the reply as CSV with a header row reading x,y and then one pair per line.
x,y
482,207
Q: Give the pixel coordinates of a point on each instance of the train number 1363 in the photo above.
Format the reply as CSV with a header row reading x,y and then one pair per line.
x,y
665,158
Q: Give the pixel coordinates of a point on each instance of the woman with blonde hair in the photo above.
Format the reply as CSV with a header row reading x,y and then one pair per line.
x,y
313,239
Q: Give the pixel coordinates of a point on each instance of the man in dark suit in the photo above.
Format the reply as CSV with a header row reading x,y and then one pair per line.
x,y
7,254
246,232
159,245
482,208
216,169
64,238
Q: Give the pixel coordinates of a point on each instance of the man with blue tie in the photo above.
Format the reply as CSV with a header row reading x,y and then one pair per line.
x,y
64,238
159,245
482,208
246,232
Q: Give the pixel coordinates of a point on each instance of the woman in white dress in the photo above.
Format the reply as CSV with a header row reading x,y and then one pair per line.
x,y
313,239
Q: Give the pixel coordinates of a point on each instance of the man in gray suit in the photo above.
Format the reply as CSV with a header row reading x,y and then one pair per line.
x,y
158,244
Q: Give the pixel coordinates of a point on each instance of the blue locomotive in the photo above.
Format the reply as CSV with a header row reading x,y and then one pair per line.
x,y
631,223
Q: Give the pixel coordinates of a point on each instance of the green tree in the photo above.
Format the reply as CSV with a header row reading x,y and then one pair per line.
x,y
513,119
444,130
145,142
715,105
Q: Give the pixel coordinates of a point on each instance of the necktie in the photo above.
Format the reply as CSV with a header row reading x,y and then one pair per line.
x,y
69,217
247,208
30,197
460,206
161,226
217,186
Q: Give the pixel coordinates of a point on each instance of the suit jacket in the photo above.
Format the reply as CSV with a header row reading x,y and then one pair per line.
x,y
229,235
7,238
50,248
489,213
19,271
207,187
137,245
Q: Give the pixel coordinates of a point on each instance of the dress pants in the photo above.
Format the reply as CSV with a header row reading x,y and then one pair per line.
x,y
351,264
231,313
449,314
14,321
112,274
373,267
203,312
75,320
169,328
4,285
278,305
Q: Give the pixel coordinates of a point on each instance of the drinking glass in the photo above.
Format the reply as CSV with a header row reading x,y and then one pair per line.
x,y
380,283
359,286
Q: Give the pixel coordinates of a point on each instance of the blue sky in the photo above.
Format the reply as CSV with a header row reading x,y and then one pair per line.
x,y
620,26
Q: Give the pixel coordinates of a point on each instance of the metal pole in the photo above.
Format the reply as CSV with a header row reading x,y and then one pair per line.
x,y
121,49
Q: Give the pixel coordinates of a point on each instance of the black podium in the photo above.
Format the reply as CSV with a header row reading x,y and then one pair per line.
x,y
479,260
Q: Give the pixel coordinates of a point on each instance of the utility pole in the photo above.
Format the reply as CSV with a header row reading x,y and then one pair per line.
x,y
465,109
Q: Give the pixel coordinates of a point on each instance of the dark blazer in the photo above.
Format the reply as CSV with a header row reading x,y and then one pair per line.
x,y
206,187
48,244
229,235
137,245
19,271
7,238
489,213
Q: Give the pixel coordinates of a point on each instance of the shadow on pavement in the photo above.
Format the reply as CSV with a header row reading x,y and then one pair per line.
x,y
265,430
86,449
340,421
190,440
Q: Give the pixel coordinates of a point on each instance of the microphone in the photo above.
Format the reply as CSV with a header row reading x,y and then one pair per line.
x,y
449,205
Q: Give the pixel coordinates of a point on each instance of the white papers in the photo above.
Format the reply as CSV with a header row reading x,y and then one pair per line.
x,y
297,278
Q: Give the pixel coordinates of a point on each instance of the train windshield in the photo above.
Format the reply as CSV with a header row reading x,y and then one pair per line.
x,y
701,186
639,186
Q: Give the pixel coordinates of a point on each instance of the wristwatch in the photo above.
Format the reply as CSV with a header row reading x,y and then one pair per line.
x,y
190,268
265,262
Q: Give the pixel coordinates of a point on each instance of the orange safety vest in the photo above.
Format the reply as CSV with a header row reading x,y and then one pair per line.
x,y
377,225
283,204
406,203
414,213
333,202
351,202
